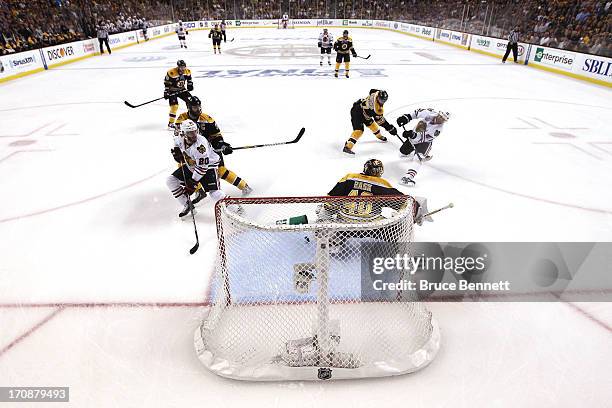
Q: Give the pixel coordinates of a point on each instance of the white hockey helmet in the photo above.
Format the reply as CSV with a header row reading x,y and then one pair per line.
x,y
189,130
442,117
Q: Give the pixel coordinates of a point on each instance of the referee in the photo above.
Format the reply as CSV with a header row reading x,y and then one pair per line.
x,y
103,37
513,39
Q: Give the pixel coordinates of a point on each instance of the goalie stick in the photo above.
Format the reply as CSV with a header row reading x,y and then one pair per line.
x,y
297,139
151,101
419,221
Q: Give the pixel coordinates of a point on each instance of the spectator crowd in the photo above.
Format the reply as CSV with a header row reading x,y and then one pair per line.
x,y
578,25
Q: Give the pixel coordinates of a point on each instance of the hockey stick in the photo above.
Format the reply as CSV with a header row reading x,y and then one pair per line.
x,y
297,139
151,101
422,217
359,56
416,153
195,227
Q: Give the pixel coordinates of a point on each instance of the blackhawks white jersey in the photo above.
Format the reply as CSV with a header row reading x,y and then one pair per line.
x,y
326,40
431,131
180,30
199,157
285,17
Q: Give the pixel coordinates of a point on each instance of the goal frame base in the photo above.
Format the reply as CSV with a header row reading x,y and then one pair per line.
x,y
275,371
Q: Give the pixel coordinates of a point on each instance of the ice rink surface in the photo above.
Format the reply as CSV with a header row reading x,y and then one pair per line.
x,y
98,292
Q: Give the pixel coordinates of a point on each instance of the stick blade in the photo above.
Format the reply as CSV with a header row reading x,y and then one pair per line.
x,y
194,249
129,104
300,134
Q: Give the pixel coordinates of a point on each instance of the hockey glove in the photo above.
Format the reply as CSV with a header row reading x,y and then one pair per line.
x,y
409,134
354,53
403,120
226,148
319,44
189,86
190,186
177,154
166,94
221,146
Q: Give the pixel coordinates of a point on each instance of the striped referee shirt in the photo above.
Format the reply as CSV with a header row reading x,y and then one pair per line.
x,y
102,32
513,37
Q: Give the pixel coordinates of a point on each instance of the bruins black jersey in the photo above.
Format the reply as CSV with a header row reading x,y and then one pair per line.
x,y
206,124
344,45
215,34
373,110
357,184
174,81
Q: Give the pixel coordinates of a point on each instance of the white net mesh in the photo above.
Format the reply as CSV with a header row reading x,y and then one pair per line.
x,y
287,299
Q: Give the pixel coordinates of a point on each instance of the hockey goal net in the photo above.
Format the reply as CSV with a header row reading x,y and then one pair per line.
x,y
285,24
288,298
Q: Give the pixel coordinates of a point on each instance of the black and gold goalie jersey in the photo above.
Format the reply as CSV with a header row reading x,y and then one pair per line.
x,y
344,46
175,81
359,184
215,34
373,110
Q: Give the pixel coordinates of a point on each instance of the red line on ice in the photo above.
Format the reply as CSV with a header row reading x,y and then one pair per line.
x,y
31,330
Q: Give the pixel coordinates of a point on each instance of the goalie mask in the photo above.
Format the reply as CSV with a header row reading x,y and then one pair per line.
x,y
189,130
373,167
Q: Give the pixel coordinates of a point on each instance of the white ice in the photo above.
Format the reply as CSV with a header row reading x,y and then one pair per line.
x,y
98,292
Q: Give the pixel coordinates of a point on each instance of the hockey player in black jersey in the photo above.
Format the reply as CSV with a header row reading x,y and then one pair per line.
x,y
216,34
369,111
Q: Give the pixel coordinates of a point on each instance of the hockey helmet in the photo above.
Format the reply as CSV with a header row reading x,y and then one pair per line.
x,y
373,167
382,97
189,130
194,105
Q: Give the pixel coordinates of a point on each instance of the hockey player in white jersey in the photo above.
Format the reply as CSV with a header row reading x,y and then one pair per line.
x,y
181,32
198,163
285,20
429,125
326,43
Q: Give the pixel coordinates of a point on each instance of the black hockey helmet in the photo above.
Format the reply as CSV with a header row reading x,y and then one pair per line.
x,y
194,105
373,167
345,32
181,63
382,97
